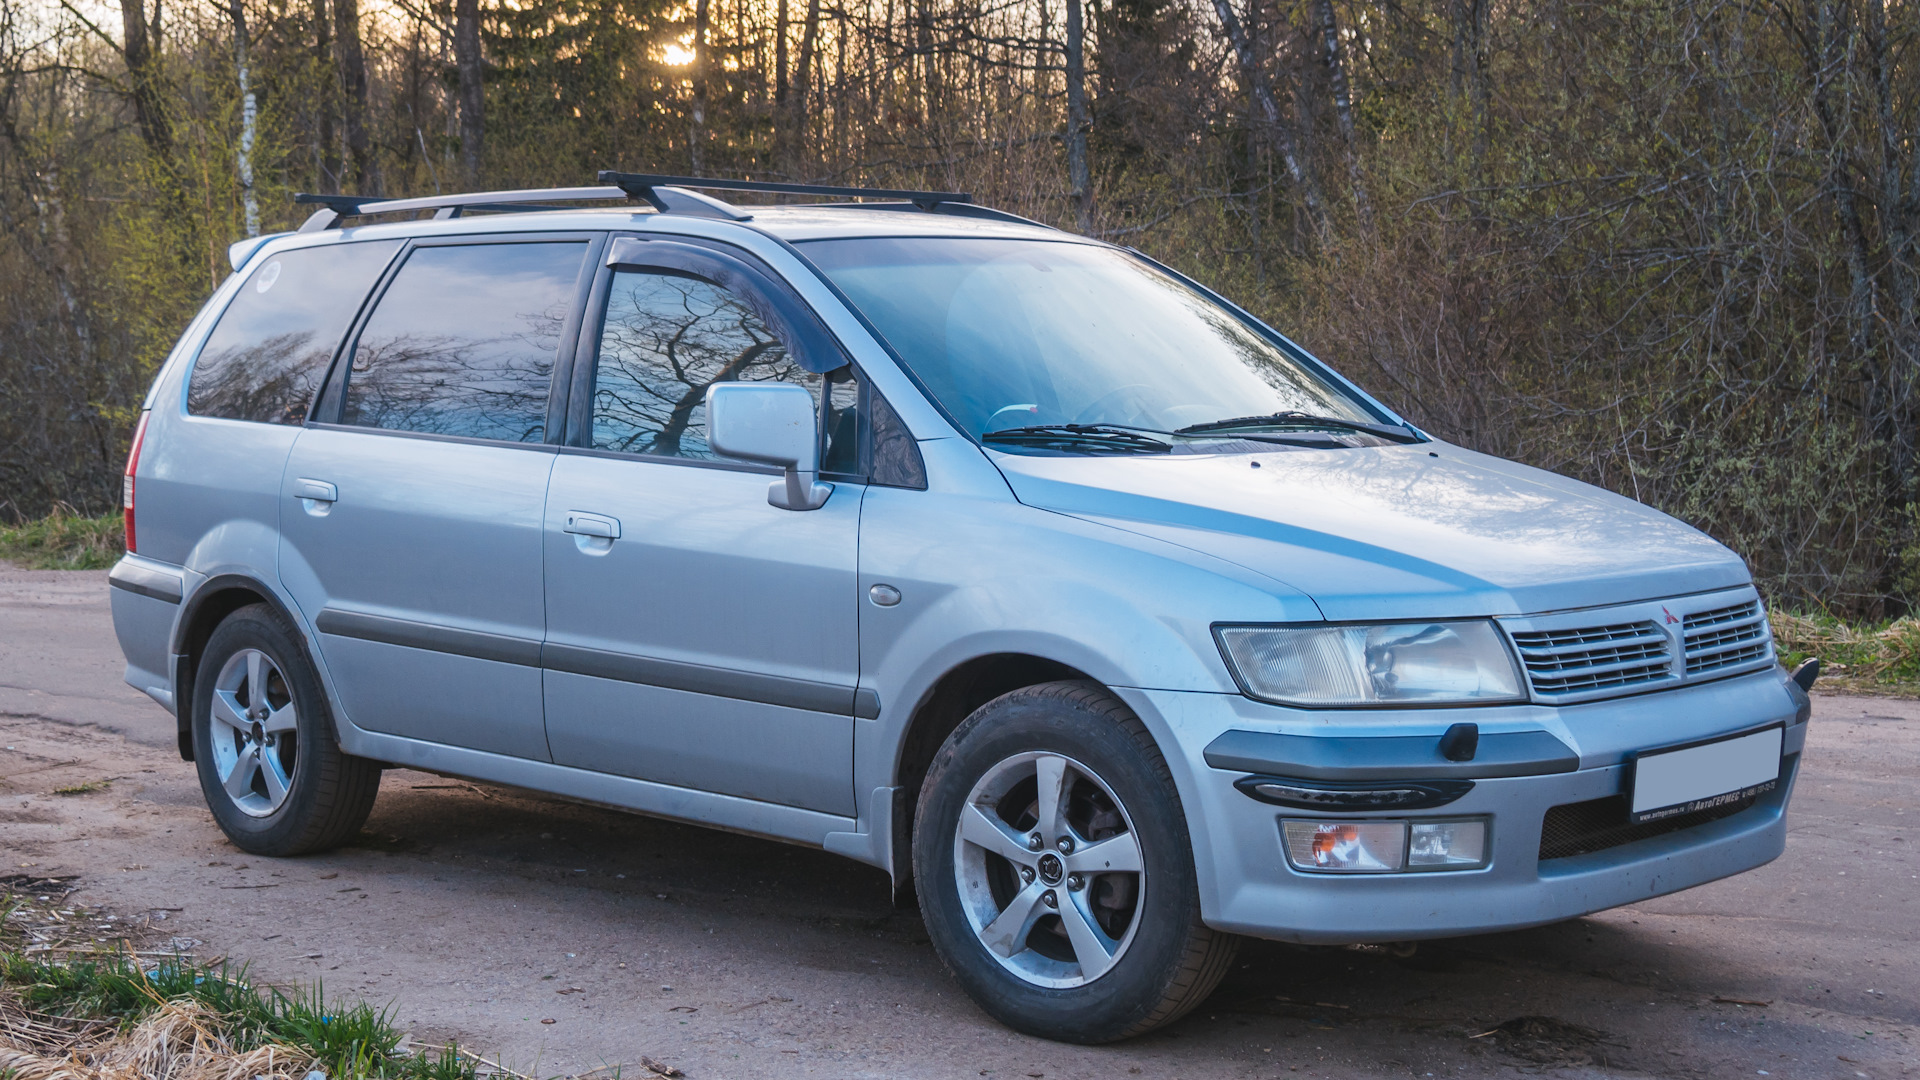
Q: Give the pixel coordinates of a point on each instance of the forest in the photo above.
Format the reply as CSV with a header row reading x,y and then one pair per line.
x,y
1670,247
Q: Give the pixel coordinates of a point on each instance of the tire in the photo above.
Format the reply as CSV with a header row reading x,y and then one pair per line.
x,y
1116,952
293,792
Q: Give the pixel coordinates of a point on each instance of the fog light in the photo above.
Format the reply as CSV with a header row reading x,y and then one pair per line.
x,y
1355,847
1447,844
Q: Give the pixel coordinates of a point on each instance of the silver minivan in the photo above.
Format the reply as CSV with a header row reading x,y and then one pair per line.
x,y
1015,564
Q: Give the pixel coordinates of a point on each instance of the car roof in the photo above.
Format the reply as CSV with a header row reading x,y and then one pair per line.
x,y
782,223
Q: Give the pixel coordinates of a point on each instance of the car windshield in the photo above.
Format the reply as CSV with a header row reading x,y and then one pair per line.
x,y
1010,334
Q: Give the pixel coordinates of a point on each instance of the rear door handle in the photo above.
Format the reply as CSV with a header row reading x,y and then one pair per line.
x,y
580,524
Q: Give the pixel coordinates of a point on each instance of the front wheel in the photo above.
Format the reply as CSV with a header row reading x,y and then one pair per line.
x,y
263,742
1055,872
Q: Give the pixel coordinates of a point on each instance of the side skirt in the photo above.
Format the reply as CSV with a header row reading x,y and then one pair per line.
x,y
734,814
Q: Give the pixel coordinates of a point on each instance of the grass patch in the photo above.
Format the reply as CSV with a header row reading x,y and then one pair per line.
x,y
1881,657
110,1002
64,540
87,788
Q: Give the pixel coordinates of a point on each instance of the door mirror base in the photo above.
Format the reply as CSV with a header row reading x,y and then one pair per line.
x,y
798,491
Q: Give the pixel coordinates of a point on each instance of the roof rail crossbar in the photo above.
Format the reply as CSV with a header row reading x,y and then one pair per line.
x,y
642,185
335,207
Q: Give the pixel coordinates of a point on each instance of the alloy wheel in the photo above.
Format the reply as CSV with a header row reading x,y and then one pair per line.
x,y
1049,870
254,736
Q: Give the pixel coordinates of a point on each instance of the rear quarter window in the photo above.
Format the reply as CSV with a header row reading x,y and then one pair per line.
x,y
269,352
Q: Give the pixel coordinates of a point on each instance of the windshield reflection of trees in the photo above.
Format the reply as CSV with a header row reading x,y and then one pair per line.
x,y
667,339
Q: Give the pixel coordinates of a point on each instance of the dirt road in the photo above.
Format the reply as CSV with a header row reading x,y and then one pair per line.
x,y
564,937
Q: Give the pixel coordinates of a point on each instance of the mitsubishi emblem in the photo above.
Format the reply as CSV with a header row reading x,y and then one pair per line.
x,y
1670,619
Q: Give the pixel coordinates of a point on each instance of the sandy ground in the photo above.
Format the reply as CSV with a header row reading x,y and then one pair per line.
x,y
563,937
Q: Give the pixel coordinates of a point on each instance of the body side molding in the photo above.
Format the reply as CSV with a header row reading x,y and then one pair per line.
x,y
703,679
601,664
387,630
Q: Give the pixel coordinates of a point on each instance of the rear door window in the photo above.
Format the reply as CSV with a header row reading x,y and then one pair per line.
x,y
269,352
463,341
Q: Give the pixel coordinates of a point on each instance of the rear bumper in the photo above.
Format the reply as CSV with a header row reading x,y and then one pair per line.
x,y
145,597
1248,887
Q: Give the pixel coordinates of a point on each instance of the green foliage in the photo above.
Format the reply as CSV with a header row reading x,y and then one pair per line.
x,y
65,541
344,1040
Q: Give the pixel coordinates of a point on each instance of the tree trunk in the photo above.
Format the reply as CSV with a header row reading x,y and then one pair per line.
x,y
1331,55
237,9
325,153
930,81
1471,91
780,56
798,96
697,127
473,98
142,57
350,60
1079,174
1267,113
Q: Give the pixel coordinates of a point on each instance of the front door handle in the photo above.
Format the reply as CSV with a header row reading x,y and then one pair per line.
x,y
580,524
316,496
317,490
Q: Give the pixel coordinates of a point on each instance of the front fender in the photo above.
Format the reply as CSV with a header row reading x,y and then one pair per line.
x,y
980,575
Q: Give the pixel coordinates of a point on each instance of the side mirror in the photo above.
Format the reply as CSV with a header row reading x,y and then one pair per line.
x,y
773,424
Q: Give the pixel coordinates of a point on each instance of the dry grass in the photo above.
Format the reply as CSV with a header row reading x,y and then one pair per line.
x,y
179,1040
1861,657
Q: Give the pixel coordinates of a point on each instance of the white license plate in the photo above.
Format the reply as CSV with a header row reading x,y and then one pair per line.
x,y
1692,778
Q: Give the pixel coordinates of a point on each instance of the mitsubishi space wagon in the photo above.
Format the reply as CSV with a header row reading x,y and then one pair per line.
x,y
1108,620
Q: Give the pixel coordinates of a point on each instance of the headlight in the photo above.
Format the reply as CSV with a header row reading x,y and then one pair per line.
x,y
1431,663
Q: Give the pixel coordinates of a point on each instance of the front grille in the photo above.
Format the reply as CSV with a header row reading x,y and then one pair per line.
x,y
1726,637
1598,824
1594,657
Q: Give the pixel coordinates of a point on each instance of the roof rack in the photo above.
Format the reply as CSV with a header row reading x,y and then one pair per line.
x,y
647,186
667,194
335,207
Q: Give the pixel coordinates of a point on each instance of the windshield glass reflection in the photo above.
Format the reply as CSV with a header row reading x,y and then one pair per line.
x,y
1016,333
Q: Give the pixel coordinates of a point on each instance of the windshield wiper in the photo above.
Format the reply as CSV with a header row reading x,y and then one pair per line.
x,y
1391,432
1103,435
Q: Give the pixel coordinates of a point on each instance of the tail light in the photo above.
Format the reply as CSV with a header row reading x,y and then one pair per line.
x,y
126,481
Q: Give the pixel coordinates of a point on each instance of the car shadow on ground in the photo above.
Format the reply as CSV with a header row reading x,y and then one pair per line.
x,y
1620,990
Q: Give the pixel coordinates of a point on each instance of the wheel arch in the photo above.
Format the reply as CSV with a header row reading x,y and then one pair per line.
x,y
944,706
210,604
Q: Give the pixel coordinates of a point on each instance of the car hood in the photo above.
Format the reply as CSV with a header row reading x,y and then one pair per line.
x,y
1420,531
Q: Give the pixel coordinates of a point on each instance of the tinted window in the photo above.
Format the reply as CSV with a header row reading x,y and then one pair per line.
x,y
463,342
670,336
269,352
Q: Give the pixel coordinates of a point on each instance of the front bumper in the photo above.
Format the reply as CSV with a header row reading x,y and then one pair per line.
x,y
1248,887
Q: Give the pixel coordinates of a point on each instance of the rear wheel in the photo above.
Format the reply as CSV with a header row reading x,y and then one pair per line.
x,y
1055,872
263,740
